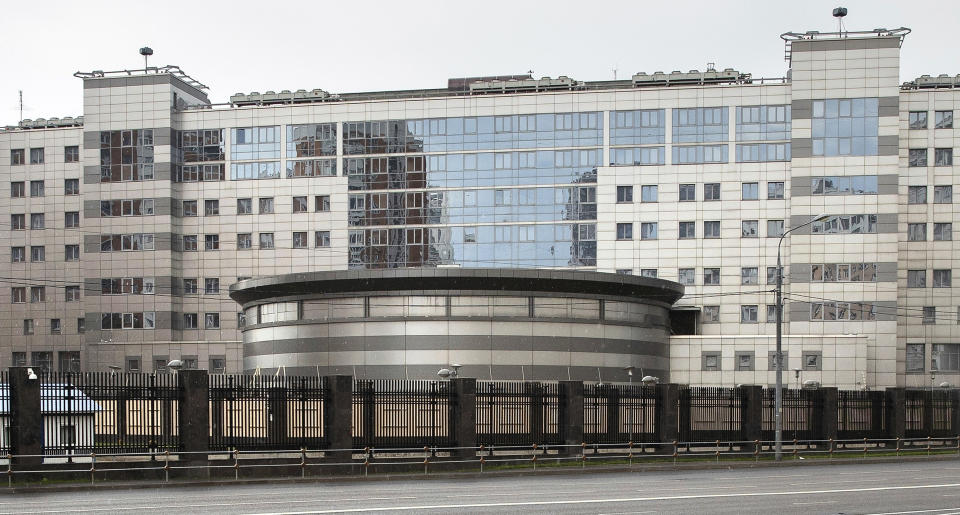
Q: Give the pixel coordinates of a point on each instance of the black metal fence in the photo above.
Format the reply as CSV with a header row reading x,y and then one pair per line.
x,y
861,414
802,414
398,413
928,413
619,413
104,412
270,413
709,414
512,413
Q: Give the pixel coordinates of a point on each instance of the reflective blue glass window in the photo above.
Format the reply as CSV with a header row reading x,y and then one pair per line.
x,y
318,139
763,152
252,143
700,124
845,127
763,123
699,154
844,185
636,156
642,127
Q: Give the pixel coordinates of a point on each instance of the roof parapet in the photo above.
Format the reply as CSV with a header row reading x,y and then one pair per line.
x,y
942,81
169,69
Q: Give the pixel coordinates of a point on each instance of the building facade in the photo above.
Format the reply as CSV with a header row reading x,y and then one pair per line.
x,y
129,225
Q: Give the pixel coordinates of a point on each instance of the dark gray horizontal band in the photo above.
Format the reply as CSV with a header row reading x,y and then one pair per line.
x,y
161,136
161,241
803,147
802,109
162,206
801,186
823,45
886,223
142,80
886,311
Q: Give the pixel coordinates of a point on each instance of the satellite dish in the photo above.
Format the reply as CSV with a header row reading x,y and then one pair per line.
x,y
175,364
444,373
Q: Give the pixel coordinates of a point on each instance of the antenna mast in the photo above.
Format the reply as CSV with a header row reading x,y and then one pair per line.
x,y
21,105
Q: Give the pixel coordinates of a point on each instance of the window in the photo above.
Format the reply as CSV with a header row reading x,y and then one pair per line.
x,y
36,156
711,191
18,254
189,286
774,228
711,361
624,194
322,238
37,221
812,360
648,193
749,229
17,189
915,357
72,293
71,252
942,232
917,232
189,320
749,275
244,241
266,206
18,294
133,365
771,275
711,314
845,127
18,222
190,243
37,189
55,326
266,240
17,157
688,192
71,219
211,285
771,313
772,360
916,278
744,360
218,364
943,157
300,204
38,253
748,314
648,231
300,240
751,190
28,326
943,120
942,278
81,325
624,231
244,206
916,194
943,194
211,207
71,154
711,229
686,276
688,230
917,157
929,314
711,276
211,321
211,242
189,208
945,357
918,119
322,203
775,190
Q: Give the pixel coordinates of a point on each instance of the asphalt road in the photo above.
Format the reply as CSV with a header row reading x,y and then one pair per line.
x,y
916,488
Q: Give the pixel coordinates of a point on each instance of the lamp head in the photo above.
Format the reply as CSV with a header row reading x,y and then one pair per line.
x,y
175,364
31,375
445,373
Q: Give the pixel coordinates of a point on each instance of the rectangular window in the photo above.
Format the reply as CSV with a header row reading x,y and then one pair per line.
x,y
71,154
36,156
845,127
943,157
37,189
917,157
71,186
211,285
624,194
771,313
711,229
748,314
749,275
942,232
711,361
929,314
648,193
915,357
711,191
38,253
916,194
711,276
211,242
17,157
648,231
300,204
190,243
211,207
300,240
266,206
266,240
38,294
18,294
918,119
916,278
751,191
322,238
749,229
244,241
322,203
211,321
943,194
72,293
812,360
711,314
648,272
28,326
917,232
189,320
18,254
774,190
71,219
18,222
624,271
55,326
772,360
945,357
688,192
943,278
686,276
71,252
244,206
687,230
771,275
624,231
943,120
37,221
774,228
189,208
189,286
17,189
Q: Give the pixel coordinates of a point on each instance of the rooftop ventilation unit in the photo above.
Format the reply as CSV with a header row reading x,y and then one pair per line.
x,y
676,78
482,87
284,97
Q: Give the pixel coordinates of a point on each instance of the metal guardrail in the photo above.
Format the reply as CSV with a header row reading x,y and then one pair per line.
x,y
314,462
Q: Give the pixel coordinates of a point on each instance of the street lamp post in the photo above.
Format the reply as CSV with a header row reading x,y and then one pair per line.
x,y
778,408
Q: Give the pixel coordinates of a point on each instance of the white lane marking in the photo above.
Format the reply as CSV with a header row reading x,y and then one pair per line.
x,y
914,511
614,500
208,505
815,502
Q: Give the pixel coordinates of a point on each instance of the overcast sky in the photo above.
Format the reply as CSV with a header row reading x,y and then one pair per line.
x,y
347,46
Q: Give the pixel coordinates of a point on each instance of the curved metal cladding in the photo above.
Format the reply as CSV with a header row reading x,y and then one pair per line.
x,y
497,324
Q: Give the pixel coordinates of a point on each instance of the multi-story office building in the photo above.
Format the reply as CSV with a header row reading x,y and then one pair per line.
x,y
129,225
